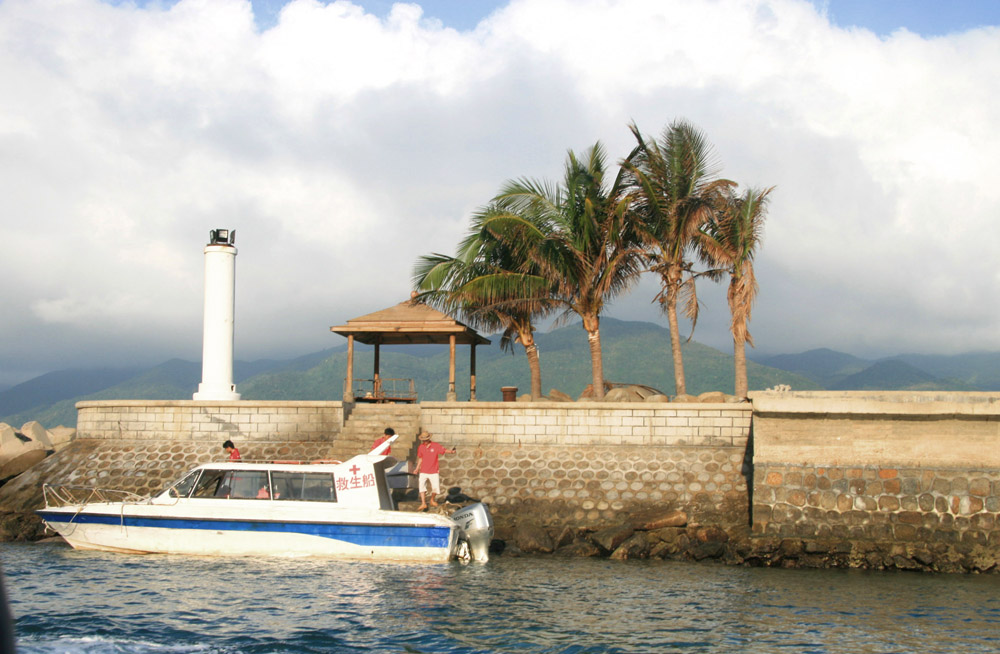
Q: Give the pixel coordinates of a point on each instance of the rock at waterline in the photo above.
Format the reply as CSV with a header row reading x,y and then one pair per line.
x,y
635,546
653,520
531,538
610,538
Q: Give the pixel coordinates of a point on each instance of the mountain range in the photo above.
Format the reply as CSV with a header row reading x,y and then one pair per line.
x,y
634,352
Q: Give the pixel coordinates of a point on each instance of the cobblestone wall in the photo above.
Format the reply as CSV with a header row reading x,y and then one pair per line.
x,y
588,485
899,504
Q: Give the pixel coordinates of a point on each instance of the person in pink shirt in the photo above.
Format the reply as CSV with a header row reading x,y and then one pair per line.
x,y
428,468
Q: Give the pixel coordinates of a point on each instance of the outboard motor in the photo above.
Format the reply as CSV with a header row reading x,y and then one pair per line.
x,y
476,523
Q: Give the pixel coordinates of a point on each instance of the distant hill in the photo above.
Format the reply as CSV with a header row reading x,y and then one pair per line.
x,y
634,352
824,366
980,370
889,375
54,386
839,371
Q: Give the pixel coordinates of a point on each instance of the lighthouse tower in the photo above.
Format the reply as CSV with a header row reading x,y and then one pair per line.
x,y
220,307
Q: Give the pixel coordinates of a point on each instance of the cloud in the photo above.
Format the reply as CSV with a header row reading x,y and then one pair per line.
x,y
342,146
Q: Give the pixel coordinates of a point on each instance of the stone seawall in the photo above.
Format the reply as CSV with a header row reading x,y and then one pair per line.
x,y
577,464
915,476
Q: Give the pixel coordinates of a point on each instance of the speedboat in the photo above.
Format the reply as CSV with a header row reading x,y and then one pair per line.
x,y
235,508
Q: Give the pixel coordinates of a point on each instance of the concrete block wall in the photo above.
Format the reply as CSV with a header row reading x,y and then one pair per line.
x,y
589,423
185,420
900,467
584,463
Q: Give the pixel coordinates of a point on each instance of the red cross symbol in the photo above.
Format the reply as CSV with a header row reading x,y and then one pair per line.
x,y
354,469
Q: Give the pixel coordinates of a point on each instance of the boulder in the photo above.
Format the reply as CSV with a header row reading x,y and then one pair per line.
x,y
37,433
657,397
652,520
531,538
557,395
610,538
13,444
526,397
713,397
684,397
635,546
20,526
61,436
618,395
566,537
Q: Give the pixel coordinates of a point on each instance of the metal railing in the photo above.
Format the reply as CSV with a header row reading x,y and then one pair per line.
x,y
384,389
57,495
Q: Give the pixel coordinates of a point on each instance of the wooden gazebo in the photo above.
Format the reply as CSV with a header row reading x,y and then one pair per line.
x,y
407,323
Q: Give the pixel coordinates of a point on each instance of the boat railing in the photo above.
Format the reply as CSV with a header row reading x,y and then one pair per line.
x,y
57,495
289,462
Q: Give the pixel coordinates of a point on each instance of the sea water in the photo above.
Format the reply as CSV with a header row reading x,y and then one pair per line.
x,y
65,600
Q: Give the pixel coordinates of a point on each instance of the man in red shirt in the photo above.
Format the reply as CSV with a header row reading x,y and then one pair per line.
x,y
427,467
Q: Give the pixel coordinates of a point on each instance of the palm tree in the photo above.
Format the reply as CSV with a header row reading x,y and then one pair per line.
x,y
487,287
581,238
731,239
674,189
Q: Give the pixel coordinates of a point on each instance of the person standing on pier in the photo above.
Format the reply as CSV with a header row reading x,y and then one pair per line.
x,y
428,468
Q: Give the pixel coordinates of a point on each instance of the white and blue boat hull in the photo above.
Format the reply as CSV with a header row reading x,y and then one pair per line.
x,y
396,536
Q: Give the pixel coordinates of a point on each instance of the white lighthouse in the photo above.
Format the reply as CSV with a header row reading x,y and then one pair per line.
x,y
220,307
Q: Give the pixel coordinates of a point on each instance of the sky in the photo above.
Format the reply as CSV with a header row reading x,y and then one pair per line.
x,y
343,140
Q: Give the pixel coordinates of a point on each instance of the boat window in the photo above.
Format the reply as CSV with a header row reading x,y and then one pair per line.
x,y
247,484
210,485
304,486
184,486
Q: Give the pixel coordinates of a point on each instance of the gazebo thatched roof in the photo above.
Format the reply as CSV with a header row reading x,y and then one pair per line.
x,y
409,323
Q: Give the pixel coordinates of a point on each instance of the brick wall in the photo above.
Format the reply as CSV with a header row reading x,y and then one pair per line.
x,y
180,420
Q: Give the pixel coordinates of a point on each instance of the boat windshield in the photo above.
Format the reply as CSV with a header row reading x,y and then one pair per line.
x,y
184,486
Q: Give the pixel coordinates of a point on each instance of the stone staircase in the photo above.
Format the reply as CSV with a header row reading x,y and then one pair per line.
x,y
366,422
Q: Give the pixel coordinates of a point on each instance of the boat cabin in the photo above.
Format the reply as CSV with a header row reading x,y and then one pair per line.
x,y
358,483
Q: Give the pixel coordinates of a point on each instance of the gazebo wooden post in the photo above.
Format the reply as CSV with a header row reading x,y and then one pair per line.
x,y
349,381
376,385
472,374
451,369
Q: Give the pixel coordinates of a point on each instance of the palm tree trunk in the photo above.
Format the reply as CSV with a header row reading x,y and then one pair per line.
x,y
531,350
592,325
680,388
740,364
